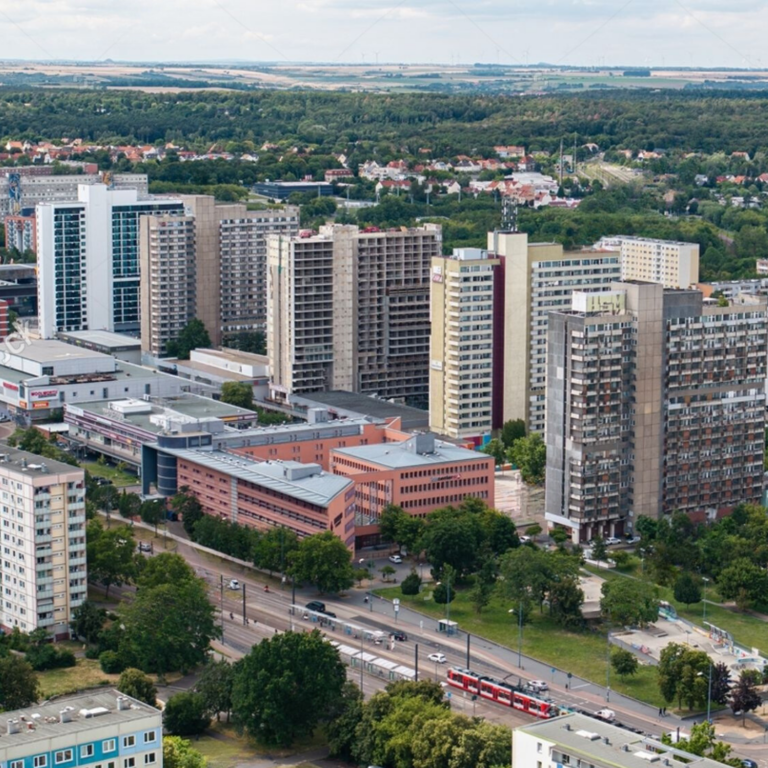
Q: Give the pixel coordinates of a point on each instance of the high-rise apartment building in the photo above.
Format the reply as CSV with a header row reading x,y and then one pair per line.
x,y
88,259
349,309
673,264
43,521
168,285
20,232
655,403
539,278
462,344
232,262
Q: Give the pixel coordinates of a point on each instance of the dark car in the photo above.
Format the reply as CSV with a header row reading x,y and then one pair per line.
x,y
747,763
398,635
316,606
329,614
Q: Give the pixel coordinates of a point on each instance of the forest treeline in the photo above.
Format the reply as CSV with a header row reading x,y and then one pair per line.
x,y
446,124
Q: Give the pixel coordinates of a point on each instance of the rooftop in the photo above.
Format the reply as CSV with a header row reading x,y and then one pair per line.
x,y
84,712
102,338
51,350
404,455
30,464
586,737
301,481
355,405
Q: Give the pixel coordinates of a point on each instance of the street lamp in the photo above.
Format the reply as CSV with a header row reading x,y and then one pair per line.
x,y
709,691
608,665
447,602
704,601
519,612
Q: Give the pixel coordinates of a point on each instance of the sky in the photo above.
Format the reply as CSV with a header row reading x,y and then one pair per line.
x,y
698,33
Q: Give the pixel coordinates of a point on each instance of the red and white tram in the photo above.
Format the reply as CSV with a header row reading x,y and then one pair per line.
x,y
502,693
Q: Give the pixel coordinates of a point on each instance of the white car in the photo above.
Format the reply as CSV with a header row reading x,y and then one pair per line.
x,y
606,714
524,539
633,540
438,658
538,686
234,584
395,559
612,540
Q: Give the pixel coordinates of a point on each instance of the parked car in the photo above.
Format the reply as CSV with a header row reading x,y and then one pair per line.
x,y
633,539
438,658
537,685
316,606
395,559
524,539
399,635
145,546
611,540
747,763
606,714
234,584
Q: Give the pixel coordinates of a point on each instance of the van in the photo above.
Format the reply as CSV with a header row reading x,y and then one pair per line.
x,y
316,606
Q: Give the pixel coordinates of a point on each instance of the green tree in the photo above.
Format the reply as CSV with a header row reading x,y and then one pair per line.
x,y
239,393
215,686
566,599
742,581
286,686
87,621
624,663
193,335
453,537
185,715
528,573
397,526
18,683
323,560
152,512
687,589
599,550
178,753
111,555
387,571
275,549
530,455
344,718
254,342
512,431
703,742
169,626
411,584
188,507
745,697
721,683
165,568
133,682
683,675
496,449
128,504
628,602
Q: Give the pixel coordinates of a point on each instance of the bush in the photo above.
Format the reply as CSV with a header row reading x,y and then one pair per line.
x,y
111,663
185,715
48,657
411,584
92,652
440,594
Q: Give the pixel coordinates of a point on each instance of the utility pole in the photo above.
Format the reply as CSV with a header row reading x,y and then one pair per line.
x,y
416,662
221,603
245,621
561,162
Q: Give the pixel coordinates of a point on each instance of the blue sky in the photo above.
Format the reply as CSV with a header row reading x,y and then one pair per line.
x,y
706,33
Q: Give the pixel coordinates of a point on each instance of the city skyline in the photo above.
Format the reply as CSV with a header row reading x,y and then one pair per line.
x,y
698,33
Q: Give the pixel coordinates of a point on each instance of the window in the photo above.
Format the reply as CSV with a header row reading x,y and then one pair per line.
x,y
64,756
16,764
149,736
129,741
108,745
129,762
41,761
86,751
538,747
149,758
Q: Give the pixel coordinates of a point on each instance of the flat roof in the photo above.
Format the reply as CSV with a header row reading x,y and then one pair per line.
x,y
210,370
398,456
319,489
50,350
45,718
233,355
102,338
587,737
364,405
31,464
186,405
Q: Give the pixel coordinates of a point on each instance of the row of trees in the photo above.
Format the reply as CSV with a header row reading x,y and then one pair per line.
x,y
527,452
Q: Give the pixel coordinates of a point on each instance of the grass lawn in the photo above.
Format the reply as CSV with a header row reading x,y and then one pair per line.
x,y
117,476
581,653
86,674
224,748
750,631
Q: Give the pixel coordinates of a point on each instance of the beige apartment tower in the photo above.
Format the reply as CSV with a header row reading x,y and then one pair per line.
x,y
44,568
372,298
168,286
232,261
538,278
671,263
461,349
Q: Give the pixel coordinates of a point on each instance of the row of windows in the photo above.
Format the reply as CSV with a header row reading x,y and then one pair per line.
x,y
88,750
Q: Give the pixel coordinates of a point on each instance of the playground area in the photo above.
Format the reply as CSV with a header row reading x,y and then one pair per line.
x,y
649,642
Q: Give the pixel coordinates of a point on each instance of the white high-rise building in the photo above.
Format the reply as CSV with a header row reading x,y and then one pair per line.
x,y
43,526
88,259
